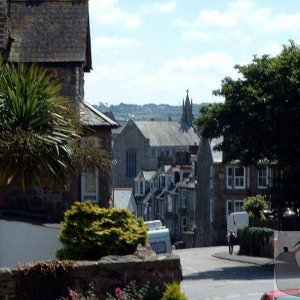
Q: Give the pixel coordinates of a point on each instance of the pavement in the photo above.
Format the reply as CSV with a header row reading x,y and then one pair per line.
x,y
262,261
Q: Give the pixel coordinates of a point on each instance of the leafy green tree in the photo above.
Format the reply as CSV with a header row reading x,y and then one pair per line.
x,y
255,206
260,118
39,130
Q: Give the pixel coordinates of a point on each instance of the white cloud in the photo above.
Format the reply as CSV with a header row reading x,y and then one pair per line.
x,y
242,18
118,72
108,12
158,7
272,49
200,74
102,43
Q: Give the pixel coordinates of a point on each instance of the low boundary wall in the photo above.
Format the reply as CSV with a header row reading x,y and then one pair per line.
x,y
107,274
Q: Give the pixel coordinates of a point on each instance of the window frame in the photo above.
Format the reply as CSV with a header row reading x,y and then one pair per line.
x,y
266,177
92,196
233,180
183,223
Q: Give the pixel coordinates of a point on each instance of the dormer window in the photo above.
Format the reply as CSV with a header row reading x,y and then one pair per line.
x,y
162,181
140,188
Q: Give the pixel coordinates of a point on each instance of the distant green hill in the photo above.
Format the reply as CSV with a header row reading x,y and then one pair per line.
x,y
123,112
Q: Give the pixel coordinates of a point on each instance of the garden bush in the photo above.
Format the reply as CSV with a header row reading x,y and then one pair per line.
x,y
256,241
90,232
173,292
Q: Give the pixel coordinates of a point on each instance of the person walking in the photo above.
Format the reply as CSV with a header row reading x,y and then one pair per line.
x,y
231,241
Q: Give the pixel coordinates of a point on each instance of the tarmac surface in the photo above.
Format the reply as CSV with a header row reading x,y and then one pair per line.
x,y
245,259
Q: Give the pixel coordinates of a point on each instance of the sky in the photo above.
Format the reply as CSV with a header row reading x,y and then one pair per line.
x,y
147,51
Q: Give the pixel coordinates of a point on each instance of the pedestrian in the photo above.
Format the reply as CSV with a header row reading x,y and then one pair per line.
x,y
231,241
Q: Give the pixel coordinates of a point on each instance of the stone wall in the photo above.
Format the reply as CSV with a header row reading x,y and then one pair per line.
x,y
108,273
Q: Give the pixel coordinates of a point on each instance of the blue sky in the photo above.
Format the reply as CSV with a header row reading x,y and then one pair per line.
x,y
152,51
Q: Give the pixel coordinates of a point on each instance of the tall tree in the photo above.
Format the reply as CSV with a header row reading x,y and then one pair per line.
x,y
260,118
39,131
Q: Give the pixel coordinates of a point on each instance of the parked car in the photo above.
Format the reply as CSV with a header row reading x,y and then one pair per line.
x,y
292,294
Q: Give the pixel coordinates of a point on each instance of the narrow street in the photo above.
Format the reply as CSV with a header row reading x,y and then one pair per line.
x,y
209,278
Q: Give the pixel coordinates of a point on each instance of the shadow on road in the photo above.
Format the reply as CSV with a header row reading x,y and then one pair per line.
x,y
235,273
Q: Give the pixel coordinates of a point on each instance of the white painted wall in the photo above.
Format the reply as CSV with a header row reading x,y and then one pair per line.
x,y
22,242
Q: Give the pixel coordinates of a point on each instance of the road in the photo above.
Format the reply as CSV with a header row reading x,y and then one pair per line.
x,y
209,278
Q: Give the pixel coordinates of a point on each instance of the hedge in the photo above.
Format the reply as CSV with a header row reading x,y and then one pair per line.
x,y
256,241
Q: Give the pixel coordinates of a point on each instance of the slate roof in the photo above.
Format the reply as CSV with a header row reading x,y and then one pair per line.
x,y
168,133
147,175
90,116
50,31
122,197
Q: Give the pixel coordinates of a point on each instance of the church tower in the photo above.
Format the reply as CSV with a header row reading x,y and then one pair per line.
x,y
187,110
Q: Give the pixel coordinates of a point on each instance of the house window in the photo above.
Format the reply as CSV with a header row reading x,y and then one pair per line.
x,y
169,203
162,180
184,224
238,205
90,186
236,177
229,181
263,177
139,188
183,198
234,206
130,163
142,188
90,180
239,177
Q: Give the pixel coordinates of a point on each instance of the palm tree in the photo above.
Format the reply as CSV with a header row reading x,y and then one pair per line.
x,y
39,133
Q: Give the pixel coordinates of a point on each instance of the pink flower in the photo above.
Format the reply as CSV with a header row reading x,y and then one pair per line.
x,y
72,294
118,292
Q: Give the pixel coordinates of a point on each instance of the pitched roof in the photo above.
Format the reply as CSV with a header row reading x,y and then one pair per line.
x,y
168,133
50,31
189,182
122,197
90,116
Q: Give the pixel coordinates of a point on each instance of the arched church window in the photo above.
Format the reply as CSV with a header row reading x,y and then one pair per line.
x,y
130,163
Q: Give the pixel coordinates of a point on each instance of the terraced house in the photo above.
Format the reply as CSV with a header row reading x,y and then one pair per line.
x,y
55,34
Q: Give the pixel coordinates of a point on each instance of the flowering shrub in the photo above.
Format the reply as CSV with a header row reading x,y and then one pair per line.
x,y
130,292
76,295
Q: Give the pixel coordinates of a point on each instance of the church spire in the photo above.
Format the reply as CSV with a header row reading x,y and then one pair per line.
x,y
187,110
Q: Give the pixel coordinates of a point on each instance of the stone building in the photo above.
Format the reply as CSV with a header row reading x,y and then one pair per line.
x,y
55,34
222,188
169,194
147,145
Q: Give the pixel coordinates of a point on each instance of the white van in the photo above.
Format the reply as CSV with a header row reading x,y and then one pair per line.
x,y
236,220
159,237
